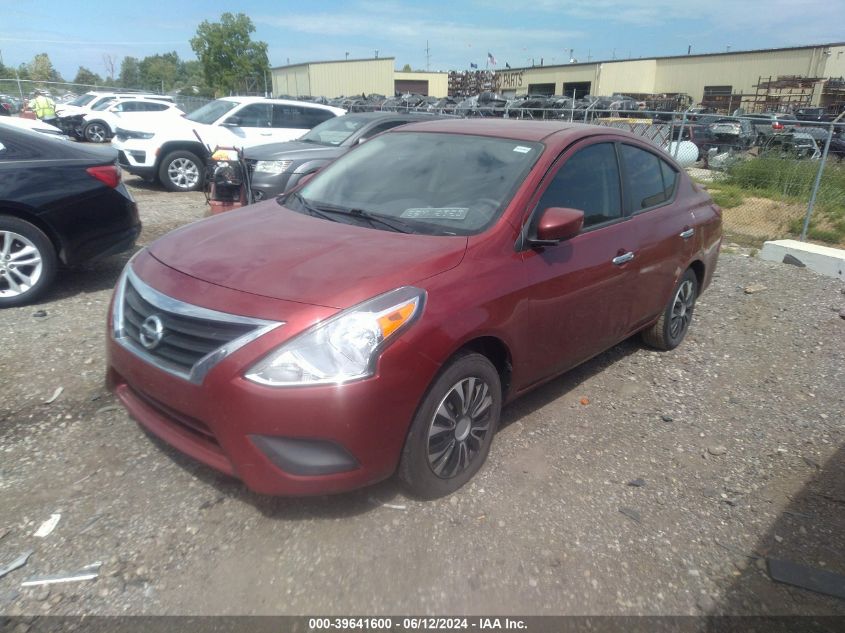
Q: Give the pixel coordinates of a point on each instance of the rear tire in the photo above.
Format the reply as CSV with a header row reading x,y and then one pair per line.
x,y
453,428
672,326
181,171
28,262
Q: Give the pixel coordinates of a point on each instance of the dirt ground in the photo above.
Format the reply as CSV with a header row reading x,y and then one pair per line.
x,y
665,494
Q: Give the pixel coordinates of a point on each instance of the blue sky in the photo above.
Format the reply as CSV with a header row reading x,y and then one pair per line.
x,y
80,33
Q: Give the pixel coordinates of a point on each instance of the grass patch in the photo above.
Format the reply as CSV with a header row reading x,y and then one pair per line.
x,y
749,186
728,196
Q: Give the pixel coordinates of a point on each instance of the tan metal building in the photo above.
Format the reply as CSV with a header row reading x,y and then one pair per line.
x,y
335,78
707,77
345,78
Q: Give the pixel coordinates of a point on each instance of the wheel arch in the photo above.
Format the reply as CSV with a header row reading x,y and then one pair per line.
x,y
497,352
195,147
698,268
28,214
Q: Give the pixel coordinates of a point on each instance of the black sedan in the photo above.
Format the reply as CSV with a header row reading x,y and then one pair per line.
x,y
60,203
278,167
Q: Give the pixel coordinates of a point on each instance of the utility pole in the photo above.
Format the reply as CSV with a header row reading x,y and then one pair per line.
x,y
376,53
427,56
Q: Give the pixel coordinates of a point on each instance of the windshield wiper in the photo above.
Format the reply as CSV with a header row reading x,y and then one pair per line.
x,y
307,206
373,219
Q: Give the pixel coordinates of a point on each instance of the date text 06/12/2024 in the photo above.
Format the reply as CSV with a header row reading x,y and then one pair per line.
x,y
415,624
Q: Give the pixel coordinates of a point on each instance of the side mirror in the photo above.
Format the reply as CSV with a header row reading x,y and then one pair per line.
x,y
233,121
557,224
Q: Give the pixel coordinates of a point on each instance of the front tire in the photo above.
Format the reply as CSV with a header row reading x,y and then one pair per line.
x,y
181,171
28,262
453,428
672,326
96,132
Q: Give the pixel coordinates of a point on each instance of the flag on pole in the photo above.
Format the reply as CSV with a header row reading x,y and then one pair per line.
x,y
507,65
490,59
471,65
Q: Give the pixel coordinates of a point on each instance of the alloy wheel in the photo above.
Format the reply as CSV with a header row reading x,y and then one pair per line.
x,y
96,133
20,264
459,426
682,309
183,173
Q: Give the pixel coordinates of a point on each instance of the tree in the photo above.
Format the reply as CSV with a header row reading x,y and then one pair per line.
x,y
85,76
130,73
41,69
406,68
159,72
109,62
228,54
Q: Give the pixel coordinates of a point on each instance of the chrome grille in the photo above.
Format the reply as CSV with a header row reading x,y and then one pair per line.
x,y
190,340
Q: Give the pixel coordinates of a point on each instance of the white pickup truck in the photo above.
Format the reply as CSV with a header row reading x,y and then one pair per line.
x,y
174,151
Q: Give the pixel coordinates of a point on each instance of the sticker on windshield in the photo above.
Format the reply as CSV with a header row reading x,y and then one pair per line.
x,y
522,149
435,213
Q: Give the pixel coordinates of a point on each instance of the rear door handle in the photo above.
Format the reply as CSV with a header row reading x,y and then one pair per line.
x,y
688,234
621,259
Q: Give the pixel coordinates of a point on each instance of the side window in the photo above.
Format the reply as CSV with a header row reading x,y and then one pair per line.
x,y
131,106
378,129
155,107
670,179
285,116
314,116
589,181
120,107
643,174
255,115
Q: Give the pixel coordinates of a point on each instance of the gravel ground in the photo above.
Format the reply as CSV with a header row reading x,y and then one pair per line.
x,y
735,441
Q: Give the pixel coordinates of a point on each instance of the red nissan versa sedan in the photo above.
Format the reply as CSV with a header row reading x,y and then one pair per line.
x,y
378,318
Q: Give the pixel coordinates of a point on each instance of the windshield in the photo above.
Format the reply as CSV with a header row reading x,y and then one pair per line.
x,y
334,131
81,100
210,112
437,184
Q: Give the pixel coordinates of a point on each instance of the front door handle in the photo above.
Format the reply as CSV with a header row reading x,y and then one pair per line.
x,y
688,233
621,259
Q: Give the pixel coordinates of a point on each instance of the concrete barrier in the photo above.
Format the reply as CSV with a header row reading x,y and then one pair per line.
x,y
822,259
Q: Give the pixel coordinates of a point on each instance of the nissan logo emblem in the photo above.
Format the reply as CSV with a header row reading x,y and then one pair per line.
x,y
151,332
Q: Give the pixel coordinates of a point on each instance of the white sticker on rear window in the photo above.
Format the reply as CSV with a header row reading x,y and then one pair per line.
x,y
435,213
522,149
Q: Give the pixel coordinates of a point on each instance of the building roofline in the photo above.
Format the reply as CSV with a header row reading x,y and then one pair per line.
x,y
645,59
335,61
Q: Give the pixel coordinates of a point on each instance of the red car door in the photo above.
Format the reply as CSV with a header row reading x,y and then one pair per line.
x,y
663,226
578,291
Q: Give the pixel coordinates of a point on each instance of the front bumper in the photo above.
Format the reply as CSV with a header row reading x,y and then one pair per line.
x,y
279,441
137,156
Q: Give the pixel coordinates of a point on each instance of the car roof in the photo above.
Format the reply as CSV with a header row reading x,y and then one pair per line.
x,y
386,114
309,104
552,133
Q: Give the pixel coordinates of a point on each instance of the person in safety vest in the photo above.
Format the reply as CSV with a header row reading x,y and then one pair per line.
x,y
44,107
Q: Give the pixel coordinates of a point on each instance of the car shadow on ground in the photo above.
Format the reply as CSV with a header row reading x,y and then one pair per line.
x,y
390,491
809,532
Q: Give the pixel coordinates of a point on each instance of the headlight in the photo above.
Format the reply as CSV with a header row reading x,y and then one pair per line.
x,y
344,347
273,166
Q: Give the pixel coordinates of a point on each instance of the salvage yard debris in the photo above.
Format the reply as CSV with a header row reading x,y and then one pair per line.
x,y
55,395
89,572
48,526
19,562
818,580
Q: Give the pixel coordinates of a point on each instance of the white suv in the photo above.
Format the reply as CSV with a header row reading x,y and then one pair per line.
x,y
86,103
100,124
174,150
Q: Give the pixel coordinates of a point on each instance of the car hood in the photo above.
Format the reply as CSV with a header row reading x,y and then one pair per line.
x,y
269,250
294,150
